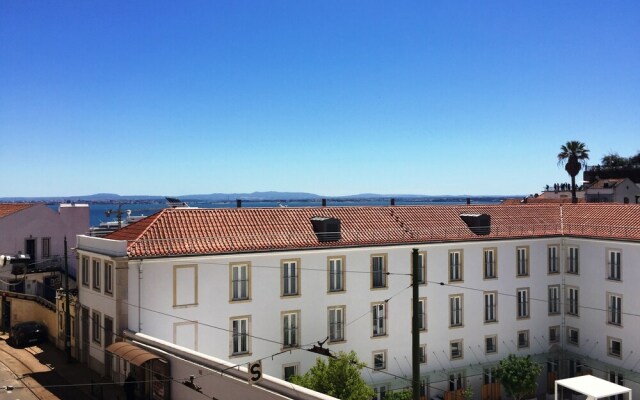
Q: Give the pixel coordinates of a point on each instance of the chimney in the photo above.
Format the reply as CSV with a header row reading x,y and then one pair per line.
x,y
468,200
327,229
238,203
393,202
324,202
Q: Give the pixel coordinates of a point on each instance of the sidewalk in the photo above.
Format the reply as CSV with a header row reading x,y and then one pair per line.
x,y
42,372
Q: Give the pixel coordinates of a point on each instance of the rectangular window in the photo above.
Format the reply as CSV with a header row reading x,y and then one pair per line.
x,y
552,259
490,306
379,360
554,334
573,301
573,266
573,336
290,329
422,267
615,309
422,314
614,347
239,281
523,303
455,265
489,375
336,274
288,371
108,277
239,336
455,310
490,344
290,278
423,354
489,262
456,381
554,299
455,347
523,339
379,392
46,247
379,312
618,379
378,271
96,274
614,268
96,326
85,271
336,324
522,261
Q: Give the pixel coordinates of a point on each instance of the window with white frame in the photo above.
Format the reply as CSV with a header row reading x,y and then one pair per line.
x,y
455,349
554,334
614,270
456,381
615,309
336,274
489,263
96,274
108,277
423,354
552,259
379,313
522,261
336,324
455,310
573,264
290,278
290,329
523,339
46,247
379,392
239,336
554,299
618,379
490,344
289,370
489,376
523,302
379,360
422,267
573,336
96,326
85,271
490,306
422,314
239,281
573,301
378,271
614,347
455,265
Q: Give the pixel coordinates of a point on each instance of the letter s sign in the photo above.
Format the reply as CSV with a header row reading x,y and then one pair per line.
x,y
255,372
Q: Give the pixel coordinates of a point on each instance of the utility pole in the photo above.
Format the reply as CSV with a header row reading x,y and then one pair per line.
x,y
67,314
415,326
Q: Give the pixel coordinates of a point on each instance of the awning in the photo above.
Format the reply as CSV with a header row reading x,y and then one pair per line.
x,y
132,353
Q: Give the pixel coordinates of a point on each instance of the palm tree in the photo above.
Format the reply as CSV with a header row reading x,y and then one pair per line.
x,y
574,155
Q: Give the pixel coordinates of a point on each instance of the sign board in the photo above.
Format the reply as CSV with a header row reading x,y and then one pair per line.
x,y
255,372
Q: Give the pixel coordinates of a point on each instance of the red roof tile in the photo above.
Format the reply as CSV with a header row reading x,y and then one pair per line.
x,y
10,208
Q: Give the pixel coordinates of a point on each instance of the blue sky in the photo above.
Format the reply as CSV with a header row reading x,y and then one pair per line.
x,y
330,97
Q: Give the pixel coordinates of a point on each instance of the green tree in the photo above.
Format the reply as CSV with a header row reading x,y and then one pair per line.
x,y
399,395
339,377
518,376
612,160
573,155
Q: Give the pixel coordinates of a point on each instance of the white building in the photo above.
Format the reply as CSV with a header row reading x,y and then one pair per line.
x,y
618,190
552,280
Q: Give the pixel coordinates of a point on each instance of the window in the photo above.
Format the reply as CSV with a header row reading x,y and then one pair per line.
x,y
85,271
523,339
378,271
490,301
489,375
379,360
108,277
96,326
379,392
456,349
422,314
523,303
614,347
336,324
554,334
490,344
456,381
96,274
288,371
239,336
489,263
378,310
552,259
290,278
522,261
574,261
336,274
614,267
422,267
455,265
46,247
554,299
423,354
573,301
239,281
455,310
573,336
290,329
185,285
618,379
615,309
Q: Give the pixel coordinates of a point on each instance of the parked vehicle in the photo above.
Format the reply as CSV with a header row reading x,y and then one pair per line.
x,y
28,332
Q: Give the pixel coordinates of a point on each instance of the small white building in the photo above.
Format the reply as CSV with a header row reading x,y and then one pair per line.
x,y
620,190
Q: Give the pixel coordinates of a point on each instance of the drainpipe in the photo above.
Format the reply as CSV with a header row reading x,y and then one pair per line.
x,y
562,305
139,296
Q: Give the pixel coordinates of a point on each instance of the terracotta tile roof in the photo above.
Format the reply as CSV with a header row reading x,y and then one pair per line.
x,y
606,183
541,200
614,221
10,208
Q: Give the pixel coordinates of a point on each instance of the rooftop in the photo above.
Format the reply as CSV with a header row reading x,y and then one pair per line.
x,y
11,208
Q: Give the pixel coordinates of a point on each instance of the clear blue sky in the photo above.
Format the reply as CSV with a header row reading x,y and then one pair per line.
x,y
330,97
